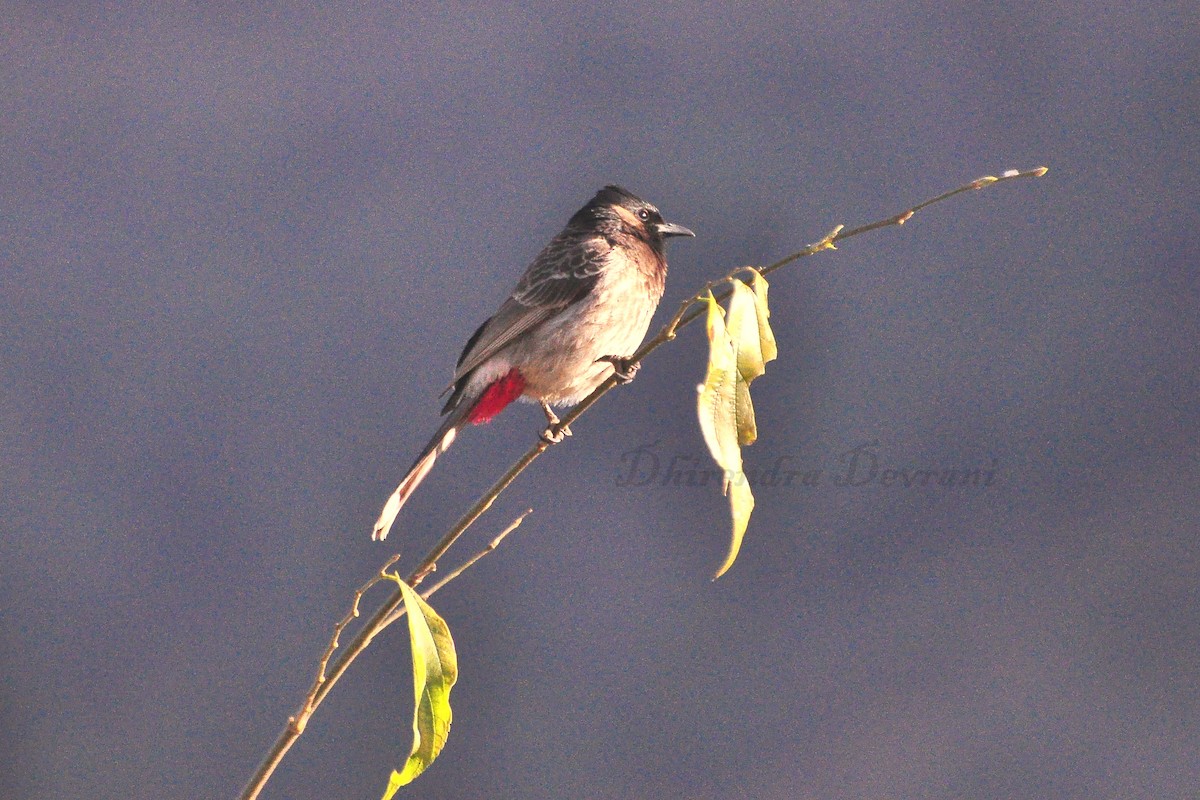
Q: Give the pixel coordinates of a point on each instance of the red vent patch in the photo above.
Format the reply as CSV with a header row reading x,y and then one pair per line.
x,y
497,396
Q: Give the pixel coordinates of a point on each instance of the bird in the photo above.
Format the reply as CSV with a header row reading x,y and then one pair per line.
x,y
576,315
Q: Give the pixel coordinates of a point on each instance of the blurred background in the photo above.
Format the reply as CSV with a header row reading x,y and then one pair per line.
x,y
241,246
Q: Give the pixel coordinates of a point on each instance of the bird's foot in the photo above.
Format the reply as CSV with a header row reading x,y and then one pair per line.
x,y
554,434
556,431
623,368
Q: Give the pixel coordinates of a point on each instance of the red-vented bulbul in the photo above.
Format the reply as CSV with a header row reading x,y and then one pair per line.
x,y
581,308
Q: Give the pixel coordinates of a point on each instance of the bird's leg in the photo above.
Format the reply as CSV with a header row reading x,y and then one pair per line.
x,y
623,368
555,432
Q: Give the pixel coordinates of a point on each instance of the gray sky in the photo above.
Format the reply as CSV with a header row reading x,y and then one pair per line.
x,y
240,250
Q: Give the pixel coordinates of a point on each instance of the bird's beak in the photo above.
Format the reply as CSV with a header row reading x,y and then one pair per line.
x,y
666,229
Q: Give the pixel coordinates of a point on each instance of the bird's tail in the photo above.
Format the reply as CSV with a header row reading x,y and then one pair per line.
x,y
460,411
439,444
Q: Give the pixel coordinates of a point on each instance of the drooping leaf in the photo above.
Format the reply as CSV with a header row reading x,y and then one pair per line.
x,y
744,332
743,327
744,409
741,504
716,404
740,344
435,669
727,419
765,334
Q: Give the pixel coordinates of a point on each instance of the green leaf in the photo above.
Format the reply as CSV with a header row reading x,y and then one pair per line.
x,y
741,503
743,326
766,336
716,405
727,416
744,409
435,669
740,344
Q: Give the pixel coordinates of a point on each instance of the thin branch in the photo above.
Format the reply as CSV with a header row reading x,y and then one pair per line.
x,y
387,612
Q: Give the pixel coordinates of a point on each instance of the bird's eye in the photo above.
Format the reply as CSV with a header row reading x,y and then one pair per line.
x,y
643,214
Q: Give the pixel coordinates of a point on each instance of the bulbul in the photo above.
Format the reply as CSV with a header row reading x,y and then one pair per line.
x,y
580,310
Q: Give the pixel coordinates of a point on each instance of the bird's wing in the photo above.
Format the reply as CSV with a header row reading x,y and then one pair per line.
x,y
564,273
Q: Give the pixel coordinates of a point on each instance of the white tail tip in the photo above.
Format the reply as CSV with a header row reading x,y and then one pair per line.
x,y
407,486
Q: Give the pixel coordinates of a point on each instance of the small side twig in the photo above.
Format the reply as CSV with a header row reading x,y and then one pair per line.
x,y
459,570
492,545
310,702
327,676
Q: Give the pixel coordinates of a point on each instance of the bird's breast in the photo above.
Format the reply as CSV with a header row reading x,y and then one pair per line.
x,y
559,362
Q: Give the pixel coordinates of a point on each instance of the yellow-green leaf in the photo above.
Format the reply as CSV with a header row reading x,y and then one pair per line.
x,y
716,404
435,669
743,325
765,334
726,414
744,408
741,503
740,345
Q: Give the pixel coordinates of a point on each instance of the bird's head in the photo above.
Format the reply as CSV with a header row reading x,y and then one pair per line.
x,y
614,210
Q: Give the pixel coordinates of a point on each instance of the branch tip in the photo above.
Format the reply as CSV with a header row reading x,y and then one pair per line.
x,y
492,545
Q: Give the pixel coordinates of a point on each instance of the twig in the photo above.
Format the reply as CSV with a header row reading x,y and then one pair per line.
x,y
384,616
684,316
310,702
492,545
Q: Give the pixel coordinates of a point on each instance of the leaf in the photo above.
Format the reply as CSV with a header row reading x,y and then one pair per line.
x,y
766,336
743,327
435,669
716,405
740,344
741,504
727,417
744,409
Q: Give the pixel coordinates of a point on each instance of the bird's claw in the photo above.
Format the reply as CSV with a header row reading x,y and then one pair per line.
x,y
623,368
555,433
